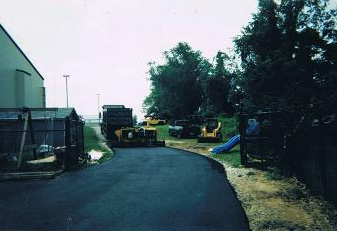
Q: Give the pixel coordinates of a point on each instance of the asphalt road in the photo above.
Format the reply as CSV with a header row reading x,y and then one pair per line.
x,y
139,189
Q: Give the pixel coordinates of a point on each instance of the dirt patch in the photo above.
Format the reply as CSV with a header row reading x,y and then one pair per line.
x,y
277,205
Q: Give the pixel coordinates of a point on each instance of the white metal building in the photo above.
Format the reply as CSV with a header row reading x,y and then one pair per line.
x,y
21,84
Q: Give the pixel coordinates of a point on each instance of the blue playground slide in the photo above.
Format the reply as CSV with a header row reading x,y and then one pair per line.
x,y
227,146
235,140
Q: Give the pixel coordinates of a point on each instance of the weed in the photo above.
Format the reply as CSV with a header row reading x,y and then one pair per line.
x,y
250,173
274,174
293,193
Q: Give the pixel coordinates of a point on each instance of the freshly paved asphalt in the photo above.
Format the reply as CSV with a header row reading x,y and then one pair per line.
x,y
139,189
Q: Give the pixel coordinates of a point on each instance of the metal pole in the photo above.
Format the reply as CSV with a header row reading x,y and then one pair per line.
x,y
66,76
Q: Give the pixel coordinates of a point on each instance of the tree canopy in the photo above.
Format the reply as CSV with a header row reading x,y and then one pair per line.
x,y
287,52
187,84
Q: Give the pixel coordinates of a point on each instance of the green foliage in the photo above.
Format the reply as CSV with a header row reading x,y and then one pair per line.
x,y
216,88
188,84
286,50
175,84
288,58
229,126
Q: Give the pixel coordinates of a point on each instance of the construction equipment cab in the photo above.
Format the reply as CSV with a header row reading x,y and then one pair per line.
x,y
211,132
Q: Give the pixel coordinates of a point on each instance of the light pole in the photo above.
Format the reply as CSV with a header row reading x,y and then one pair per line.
x,y
67,76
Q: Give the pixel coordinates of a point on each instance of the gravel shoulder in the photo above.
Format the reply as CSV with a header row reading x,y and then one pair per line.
x,y
274,204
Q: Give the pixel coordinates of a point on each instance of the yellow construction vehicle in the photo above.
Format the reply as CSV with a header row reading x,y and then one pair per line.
x,y
154,120
211,132
137,136
117,127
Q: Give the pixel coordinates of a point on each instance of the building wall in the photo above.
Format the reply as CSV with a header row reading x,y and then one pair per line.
x,y
20,83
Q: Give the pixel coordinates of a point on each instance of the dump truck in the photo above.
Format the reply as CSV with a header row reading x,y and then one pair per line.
x,y
117,127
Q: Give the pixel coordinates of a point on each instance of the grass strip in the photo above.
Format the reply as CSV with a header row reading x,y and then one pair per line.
x,y
92,142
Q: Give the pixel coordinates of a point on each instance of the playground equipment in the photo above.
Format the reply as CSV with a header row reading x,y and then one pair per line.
x,y
235,140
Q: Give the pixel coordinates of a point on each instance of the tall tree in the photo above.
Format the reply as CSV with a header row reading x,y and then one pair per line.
x,y
258,46
176,88
287,50
216,88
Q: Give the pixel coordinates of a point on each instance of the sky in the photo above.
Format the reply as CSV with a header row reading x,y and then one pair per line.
x,y
105,45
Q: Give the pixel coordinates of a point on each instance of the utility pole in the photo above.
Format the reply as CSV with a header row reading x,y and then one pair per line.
x,y
67,76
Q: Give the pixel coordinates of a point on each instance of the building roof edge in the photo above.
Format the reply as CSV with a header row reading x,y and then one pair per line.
x,y
17,46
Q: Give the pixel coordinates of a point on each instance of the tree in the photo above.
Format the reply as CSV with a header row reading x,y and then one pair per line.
x,y
287,50
216,88
175,85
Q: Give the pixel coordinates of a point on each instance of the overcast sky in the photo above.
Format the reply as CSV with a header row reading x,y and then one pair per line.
x,y
105,45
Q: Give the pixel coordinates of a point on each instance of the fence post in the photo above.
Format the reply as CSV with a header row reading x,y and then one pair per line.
x,y
243,156
23,140
32,137
82,135
67,143
322,156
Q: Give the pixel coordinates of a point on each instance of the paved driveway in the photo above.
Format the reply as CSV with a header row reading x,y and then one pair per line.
x,y
139,189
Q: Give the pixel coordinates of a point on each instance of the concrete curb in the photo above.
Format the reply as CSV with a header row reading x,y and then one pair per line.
x,y
29,175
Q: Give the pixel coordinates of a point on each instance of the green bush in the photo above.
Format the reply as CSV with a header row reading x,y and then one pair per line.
x,y
229,126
